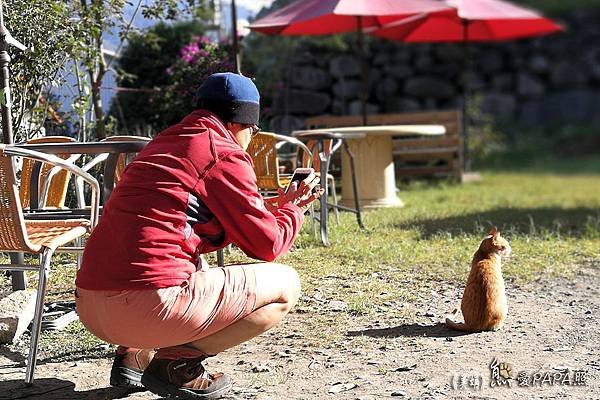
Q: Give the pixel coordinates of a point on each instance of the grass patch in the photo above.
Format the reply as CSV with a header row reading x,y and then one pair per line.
x,y
552,220
74,342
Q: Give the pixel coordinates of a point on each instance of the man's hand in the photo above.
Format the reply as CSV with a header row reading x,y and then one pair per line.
x,y
302,194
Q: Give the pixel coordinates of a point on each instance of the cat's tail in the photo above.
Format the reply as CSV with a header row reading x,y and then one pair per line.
x,y
457,326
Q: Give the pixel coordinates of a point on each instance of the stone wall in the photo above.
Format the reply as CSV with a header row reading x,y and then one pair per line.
x,y
536,82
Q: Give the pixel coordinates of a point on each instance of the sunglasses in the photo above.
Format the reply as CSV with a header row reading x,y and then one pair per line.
x,y
254,129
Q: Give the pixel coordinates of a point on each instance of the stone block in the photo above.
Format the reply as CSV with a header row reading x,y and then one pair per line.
x,y
344,66
355,108
382,59
539,63
310,78
16,313
424,63
568,75
450,52
529,85
492,62
301,102
398,71
592,60
573,106
401,104
348,89
285,124
503,82
501,105
386,88
426,86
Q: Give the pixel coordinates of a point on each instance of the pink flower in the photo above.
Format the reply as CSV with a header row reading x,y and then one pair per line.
x,y
189,52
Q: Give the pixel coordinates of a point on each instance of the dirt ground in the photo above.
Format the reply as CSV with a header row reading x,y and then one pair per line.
x,y
550,340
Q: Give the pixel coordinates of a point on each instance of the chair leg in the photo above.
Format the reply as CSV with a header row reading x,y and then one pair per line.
x,y
324,167
354,185
220,258
37,317
335,202
79,243
311,213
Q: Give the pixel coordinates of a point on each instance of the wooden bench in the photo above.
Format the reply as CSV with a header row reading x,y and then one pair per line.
x,y
440,156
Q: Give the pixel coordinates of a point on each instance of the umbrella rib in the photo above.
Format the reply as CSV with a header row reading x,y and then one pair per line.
x,y
399,22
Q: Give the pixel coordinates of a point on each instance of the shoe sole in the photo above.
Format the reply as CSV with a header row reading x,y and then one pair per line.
x,y
126,377
170,391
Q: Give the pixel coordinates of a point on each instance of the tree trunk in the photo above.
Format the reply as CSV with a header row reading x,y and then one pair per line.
x,y
97,76
100,127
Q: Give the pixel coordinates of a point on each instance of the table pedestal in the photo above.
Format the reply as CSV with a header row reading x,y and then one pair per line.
x,y
374,173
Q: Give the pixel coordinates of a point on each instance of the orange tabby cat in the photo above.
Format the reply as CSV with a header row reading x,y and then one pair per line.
x,y
484,305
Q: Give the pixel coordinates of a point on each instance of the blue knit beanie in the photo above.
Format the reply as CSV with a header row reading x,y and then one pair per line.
x,y
232,97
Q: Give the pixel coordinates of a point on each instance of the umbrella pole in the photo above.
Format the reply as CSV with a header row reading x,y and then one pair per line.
x,y
234,34
465,108
18,279
363,68
7,131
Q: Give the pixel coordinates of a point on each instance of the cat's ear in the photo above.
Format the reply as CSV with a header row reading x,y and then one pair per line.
x,y
494,232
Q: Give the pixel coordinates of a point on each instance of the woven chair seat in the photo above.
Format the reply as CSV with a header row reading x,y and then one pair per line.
x,y
53,234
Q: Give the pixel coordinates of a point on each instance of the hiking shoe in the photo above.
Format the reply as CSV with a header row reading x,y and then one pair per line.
x,y
184,379
127,369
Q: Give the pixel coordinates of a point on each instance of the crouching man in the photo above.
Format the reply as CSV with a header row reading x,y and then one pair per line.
x,y
143,284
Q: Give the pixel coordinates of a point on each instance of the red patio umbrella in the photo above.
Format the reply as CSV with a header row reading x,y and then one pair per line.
x,y
470,21
322,17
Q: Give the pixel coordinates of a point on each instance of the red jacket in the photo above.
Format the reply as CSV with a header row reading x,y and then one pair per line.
x,y
192,190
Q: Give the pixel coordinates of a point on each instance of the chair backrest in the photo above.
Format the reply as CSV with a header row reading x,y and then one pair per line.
x,y
263,151
124,158
13,236
57,189
312,159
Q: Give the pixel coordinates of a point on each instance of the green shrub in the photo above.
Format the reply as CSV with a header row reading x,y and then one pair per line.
x,y
143,65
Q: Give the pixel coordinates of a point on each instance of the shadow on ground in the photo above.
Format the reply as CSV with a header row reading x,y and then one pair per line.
x,y
15,356
55,389
571,222
409,330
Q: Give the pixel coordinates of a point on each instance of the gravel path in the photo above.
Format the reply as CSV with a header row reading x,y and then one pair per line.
x,y
550,341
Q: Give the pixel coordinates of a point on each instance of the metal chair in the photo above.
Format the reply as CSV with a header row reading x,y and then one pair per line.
x,y
121,163
53,181
312,158
42,237
263,149
324,151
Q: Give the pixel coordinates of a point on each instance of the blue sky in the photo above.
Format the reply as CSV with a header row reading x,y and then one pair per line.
x,y
245,10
